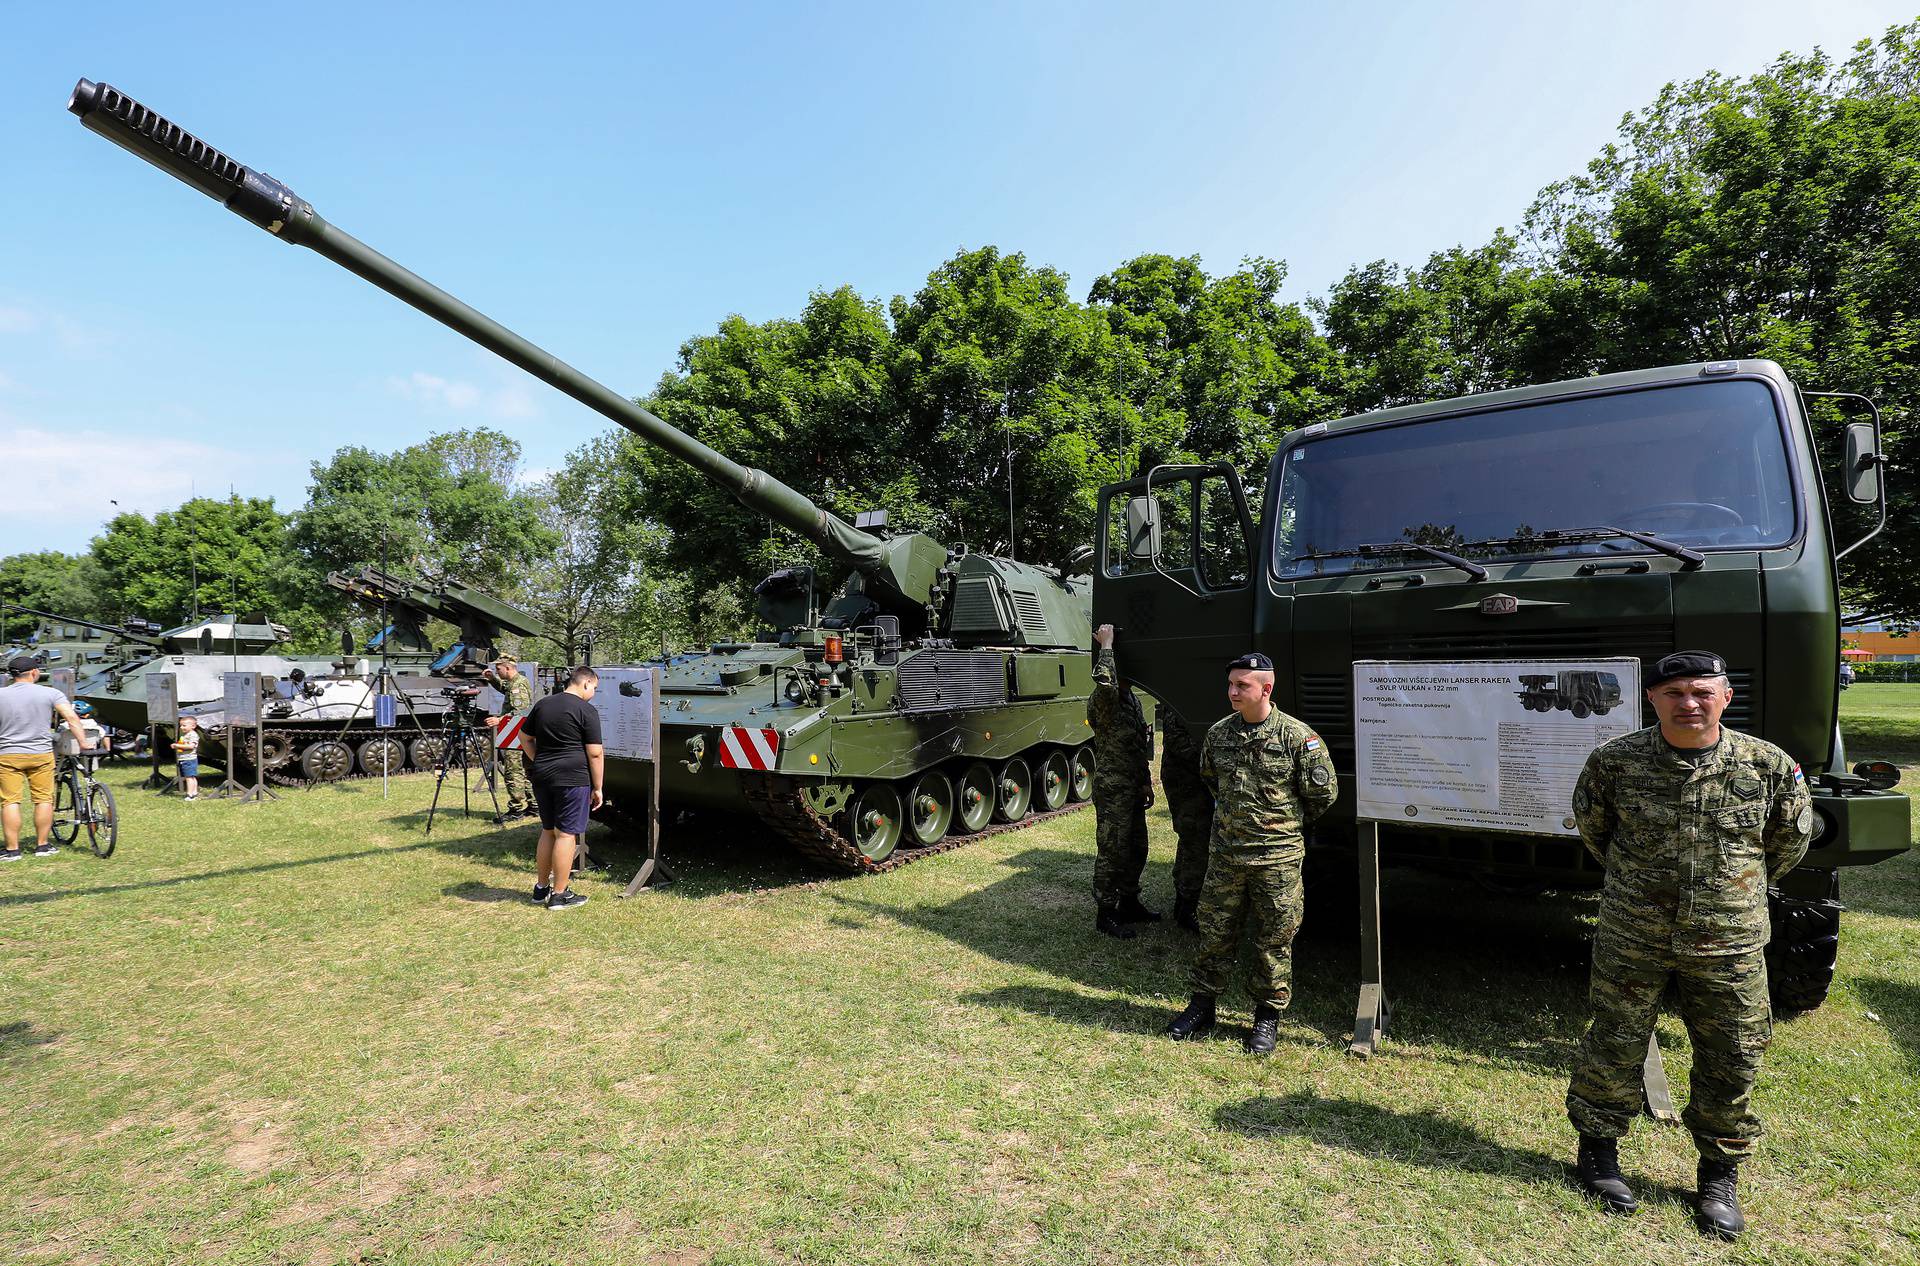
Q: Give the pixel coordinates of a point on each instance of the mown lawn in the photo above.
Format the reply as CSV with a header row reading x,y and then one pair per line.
x,y
302,1032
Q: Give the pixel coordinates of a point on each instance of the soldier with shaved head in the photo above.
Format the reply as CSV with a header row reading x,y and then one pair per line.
x,y
1270,776
1692,820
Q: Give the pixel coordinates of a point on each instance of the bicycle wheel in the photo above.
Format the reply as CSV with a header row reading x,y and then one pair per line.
x,y
66,817
103,820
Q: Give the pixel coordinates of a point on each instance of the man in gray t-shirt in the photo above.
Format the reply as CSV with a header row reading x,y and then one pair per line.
x,y
27,712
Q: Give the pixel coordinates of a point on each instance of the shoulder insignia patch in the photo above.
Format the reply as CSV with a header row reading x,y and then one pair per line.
x,y
1804,824
1319,777
1581,800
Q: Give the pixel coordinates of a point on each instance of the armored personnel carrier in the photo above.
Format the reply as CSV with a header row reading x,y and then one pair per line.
x,y
933,694
63,642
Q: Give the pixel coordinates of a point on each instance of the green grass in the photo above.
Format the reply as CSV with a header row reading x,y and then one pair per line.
x,y
1882,722
302,1032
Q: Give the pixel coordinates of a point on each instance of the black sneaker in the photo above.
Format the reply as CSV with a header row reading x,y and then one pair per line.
x,y
46,850
541,892
565,900
10,855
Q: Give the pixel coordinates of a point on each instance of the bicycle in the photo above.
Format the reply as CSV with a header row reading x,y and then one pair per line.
x,y
80,802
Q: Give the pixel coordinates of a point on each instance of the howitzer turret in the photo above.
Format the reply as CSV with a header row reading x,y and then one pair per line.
x,y
940,691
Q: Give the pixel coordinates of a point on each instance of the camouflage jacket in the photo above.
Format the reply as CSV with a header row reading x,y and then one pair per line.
x,y
1689,849
1268,780
1122,743
518,693
1180,753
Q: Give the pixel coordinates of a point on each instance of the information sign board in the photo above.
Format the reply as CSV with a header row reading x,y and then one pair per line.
x,y
1493,746
241,693
163,700
627,702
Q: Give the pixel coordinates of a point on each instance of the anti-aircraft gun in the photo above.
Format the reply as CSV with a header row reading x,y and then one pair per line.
x,y
937,692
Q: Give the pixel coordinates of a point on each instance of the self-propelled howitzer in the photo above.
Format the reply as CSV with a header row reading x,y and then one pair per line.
x,y
936,692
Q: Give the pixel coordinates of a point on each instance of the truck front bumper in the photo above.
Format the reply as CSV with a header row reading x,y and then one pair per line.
x,y
1859,830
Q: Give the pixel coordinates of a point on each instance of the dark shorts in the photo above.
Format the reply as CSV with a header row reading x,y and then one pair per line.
x,y
563,809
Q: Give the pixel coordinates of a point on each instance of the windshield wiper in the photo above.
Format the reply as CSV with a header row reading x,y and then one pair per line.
x,y
1400,546
1689,558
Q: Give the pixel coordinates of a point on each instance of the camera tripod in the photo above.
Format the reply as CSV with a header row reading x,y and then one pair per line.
x,y
460,733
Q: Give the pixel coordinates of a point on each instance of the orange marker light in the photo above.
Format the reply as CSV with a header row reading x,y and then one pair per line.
x,y
833,653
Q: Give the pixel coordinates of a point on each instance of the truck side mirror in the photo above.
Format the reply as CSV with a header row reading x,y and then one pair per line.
x,y
1143,528
1863,464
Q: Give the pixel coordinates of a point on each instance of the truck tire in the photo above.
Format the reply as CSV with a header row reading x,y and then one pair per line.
x,y
1804,947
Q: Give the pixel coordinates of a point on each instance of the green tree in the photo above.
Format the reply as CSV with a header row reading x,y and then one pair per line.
x,y
447,507
591,583
66,584
209,556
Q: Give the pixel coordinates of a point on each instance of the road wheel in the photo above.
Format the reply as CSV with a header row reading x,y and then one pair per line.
x,y
383,755
327,761
875,821
930,807
973,797
103,820
425,751
1082,785
1014,788
1055,783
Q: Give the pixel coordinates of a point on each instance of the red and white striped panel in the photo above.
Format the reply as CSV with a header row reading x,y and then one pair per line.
x,y
741,748
507,736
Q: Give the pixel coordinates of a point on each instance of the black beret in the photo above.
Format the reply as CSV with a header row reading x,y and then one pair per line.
x,y
1252,659
1687,664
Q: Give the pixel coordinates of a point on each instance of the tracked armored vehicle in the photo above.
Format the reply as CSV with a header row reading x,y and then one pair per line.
x,y
322,728
64,642
934,694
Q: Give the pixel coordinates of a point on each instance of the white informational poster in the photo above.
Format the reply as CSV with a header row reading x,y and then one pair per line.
x,y
1493,746
626,703
241,693
163,700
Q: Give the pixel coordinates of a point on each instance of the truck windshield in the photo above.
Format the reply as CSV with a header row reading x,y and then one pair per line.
x,y
1700,465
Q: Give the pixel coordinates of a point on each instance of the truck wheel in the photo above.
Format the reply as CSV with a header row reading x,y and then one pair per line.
x,y
1804,948
1580,709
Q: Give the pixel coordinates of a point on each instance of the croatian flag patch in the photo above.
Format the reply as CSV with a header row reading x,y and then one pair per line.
x,y
1313,742
1797,775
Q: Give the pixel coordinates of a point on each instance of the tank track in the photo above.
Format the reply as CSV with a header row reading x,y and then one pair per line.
x,y
779,802
288,773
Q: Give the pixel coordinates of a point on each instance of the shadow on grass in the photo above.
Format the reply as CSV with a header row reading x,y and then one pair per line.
x,y
485,894
1494,978
175,881
1425,1139
1898,1006
19,1039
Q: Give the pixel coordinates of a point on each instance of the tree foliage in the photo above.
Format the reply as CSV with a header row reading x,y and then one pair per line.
x,y
65,584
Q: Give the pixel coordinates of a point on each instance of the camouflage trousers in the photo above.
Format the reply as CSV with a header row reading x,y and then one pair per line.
x,y
1120,843
513,772
1260,893
1723,1001
1191,808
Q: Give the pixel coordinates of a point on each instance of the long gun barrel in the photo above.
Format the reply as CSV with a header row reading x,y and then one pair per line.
x,y
260,199
114,630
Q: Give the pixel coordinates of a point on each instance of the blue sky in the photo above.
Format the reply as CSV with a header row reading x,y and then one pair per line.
x,y
610,180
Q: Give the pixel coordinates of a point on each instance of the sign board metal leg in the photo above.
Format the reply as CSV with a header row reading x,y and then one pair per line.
x,y
653,872
1653,1080
1371,1013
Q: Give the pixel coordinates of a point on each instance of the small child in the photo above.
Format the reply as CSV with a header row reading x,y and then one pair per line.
x,y
186,751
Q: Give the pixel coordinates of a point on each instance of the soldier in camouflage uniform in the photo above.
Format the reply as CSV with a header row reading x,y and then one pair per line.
x,y
1190,805
513,684
1692,821
1271,775
1122,793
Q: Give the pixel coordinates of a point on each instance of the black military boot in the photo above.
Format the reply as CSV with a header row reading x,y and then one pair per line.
x,y
1598,1172
1195,1021
1718,1212
1131,911
1186,913
1109,921
1266,1030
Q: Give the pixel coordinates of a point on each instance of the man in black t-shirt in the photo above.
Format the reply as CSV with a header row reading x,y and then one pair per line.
x,y
562,745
